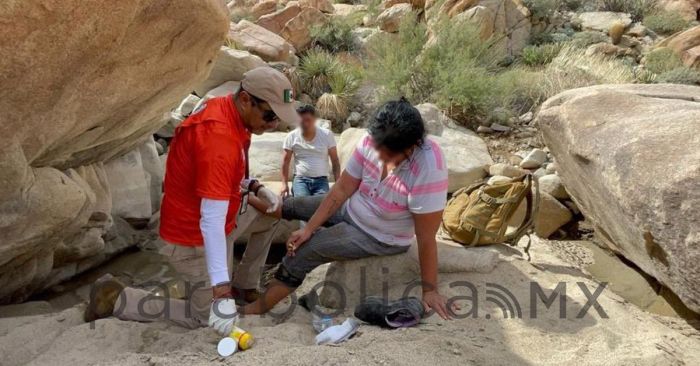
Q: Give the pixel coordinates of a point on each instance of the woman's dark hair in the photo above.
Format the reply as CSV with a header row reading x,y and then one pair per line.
x,y
397,125
306,108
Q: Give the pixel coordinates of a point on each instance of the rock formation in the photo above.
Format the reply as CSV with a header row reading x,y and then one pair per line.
x,y
89,82
685,44
629,160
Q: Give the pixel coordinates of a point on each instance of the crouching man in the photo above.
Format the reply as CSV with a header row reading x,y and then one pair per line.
x,y
206,189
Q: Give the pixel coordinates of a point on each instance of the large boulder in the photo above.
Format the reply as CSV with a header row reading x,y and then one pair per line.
x,y
297,30
275,22
325,6
263,8
266,156
685,44
688,9
349,10
229,65
90,80
601,20
506,21
467,155
348,282
390,19
260,41
628,161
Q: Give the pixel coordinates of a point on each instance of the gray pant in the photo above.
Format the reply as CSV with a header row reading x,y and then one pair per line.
x,y
340,239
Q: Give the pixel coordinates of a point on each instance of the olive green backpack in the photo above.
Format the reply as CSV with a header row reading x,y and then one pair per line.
x,y
479,214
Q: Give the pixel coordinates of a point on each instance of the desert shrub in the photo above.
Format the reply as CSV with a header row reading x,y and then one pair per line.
x,y
587,38
638,9
616,31
662,60
573,4
666,22
392,57
573,68
333,104
540,55
542,9
521,90
330,80
334,36
680,75
456,70
315,68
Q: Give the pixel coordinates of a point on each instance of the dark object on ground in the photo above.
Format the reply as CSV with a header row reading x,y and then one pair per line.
x,y
308,301
103,296
402,313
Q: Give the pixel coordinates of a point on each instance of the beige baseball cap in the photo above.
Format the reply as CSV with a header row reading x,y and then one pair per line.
x,y
272,86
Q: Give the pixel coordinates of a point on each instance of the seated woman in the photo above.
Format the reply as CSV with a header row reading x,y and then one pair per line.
x,y
393,188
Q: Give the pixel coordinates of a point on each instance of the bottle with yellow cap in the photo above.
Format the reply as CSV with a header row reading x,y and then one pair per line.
x,y
245,340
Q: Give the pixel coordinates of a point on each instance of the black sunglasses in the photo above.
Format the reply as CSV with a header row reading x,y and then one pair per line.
x,y
269,115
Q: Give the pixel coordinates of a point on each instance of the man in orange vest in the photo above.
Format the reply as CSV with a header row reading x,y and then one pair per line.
x,y
206,188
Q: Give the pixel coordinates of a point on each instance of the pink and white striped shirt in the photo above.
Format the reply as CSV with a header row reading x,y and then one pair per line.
x,y
384,208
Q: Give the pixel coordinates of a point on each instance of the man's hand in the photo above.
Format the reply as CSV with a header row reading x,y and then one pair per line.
x,y
432,300
223,315
295,240
284,192
222,291
270,197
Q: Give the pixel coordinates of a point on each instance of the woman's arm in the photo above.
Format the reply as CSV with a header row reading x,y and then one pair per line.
x,y
335,162
341,191
286,159
426,226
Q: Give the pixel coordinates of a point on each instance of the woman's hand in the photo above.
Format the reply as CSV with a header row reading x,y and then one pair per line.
x,y
284,191
297,238
432,300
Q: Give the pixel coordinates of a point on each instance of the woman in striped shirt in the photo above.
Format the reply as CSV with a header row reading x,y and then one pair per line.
x,y
392,190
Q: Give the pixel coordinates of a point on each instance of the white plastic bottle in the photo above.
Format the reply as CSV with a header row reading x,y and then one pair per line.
x,y
320,320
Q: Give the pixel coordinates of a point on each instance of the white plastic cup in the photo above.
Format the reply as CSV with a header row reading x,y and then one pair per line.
x,y
227,346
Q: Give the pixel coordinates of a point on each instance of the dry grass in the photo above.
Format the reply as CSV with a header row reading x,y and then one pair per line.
x,y
572,68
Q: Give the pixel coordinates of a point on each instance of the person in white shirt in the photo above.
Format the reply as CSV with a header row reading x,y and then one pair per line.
x,y
311,146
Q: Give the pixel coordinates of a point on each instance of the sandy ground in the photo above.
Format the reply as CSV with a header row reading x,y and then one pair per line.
x,y
626,335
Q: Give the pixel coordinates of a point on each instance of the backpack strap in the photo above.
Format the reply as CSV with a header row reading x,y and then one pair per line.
x,y
530,214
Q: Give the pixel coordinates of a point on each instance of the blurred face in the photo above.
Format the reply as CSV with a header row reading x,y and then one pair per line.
x,y
389,157
308,121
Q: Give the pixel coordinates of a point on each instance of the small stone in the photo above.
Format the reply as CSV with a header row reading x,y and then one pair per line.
x,y
484,129
539,173
324,123
525,134
552,184
515,160
551,168
571,205
637,30
526,118
498,179
534,159
505,170
499,127
355,119
551,215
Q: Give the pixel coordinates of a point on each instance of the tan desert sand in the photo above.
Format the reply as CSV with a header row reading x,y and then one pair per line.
x,y
627,336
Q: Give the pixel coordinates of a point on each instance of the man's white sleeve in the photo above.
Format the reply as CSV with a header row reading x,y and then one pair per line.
x,y
212,224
